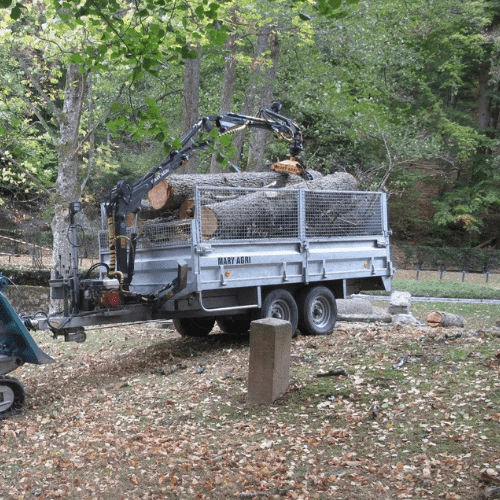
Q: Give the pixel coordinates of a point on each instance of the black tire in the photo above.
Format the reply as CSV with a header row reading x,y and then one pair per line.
x,y
12,397
280,304
234,326
194,327
317,311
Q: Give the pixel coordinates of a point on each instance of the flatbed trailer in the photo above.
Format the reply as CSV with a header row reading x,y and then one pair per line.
x,y
328,244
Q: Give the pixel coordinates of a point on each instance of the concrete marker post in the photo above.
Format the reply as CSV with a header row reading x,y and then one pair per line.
x,y
269,365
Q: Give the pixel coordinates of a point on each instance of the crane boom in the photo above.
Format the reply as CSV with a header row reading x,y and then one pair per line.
x,y
125,197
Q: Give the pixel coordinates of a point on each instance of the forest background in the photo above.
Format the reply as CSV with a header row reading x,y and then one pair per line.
x,y
403,95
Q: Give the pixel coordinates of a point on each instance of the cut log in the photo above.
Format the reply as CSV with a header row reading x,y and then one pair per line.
x,y
170,193
439,318
338,181
271,213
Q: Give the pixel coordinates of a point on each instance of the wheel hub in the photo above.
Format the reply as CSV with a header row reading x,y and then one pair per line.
x,y
7,397
280,310
321,312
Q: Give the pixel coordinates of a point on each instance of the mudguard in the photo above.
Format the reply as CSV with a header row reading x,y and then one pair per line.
x,y
17,346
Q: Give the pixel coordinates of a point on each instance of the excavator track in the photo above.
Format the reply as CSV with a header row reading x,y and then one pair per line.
x,y
12,397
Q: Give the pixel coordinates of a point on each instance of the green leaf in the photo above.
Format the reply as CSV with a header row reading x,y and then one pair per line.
x,y
16,12
5,3
226,140
76,58
200,11
217,36
335,4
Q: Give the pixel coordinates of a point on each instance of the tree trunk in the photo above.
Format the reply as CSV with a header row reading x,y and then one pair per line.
x,y
173,191
438,318
264,99
227,90
190,102
67,188
484,100
250,105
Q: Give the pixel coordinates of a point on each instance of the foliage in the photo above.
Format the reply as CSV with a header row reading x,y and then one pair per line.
x,y
26,276
432,258
382,90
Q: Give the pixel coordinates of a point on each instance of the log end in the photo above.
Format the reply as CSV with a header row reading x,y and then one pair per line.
x,y
208,222
186,210
159,195
434,319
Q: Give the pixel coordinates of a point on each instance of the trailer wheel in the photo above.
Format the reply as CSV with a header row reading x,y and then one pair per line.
x,y
12,396
280,304
194,327
233,326
317,311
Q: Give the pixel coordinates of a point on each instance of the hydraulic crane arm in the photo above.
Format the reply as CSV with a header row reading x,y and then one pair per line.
x,y
125,197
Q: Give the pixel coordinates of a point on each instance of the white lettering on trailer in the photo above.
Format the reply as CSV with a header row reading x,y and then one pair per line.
x,y
224,261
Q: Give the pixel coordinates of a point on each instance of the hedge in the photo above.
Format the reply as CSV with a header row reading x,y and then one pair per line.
x,y
26,276
463,259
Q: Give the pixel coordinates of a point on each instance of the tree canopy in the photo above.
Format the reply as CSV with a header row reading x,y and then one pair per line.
x,y
399,95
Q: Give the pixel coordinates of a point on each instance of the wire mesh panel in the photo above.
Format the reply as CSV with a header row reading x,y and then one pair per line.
x,y
243,214
343,213
154,234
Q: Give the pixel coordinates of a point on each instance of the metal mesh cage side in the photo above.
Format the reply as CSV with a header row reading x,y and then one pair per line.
x,y
153,234
247,214
343,214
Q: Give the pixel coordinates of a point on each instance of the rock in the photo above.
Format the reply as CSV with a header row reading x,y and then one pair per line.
x,y
336,372
28,299
360,310
406,319
365,318
354,306
400,303
492,493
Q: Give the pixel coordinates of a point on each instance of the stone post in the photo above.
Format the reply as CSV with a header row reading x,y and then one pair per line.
x,y
269,367
399,303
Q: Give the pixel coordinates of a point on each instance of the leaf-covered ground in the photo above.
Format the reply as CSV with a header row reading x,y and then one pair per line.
x,y
141,413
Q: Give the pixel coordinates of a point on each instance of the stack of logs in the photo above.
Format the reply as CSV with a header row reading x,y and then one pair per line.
x,y
173,198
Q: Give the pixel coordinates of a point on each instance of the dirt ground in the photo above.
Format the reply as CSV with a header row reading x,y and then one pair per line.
x,y
139,412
